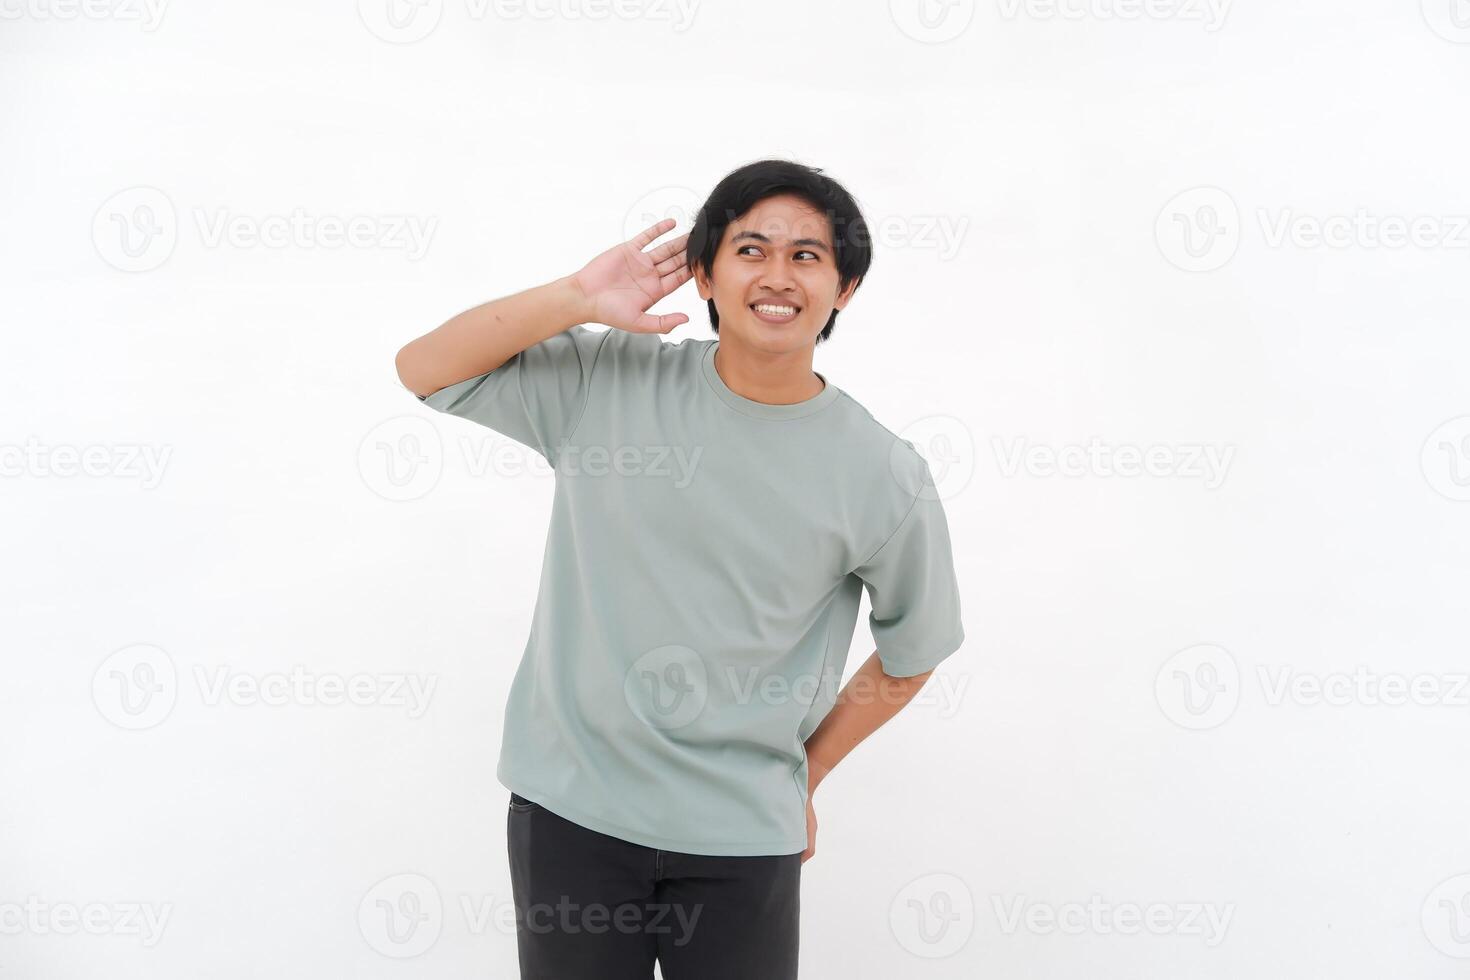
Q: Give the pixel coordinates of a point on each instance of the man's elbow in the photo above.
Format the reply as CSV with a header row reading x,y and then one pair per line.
x,y
404,364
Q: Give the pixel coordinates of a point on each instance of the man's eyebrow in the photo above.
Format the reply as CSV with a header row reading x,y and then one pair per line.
x,y
814,242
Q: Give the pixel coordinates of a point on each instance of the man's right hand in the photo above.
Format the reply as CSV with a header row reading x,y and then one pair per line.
x,y
622,283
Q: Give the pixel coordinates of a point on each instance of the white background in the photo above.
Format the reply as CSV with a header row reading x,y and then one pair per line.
x,y
1039,283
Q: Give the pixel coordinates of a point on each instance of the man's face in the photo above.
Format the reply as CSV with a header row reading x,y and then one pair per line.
x,y
780,253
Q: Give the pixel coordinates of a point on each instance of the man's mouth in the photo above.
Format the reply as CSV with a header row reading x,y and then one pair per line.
x,y
775,312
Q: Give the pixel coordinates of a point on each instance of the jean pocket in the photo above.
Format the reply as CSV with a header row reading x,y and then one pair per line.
x,y
520,804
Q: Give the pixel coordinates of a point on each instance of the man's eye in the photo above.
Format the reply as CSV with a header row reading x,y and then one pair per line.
x,y
741,250
808,252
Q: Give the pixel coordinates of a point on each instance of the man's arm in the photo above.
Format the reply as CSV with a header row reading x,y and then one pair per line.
x,y
866,702
481,339
615,288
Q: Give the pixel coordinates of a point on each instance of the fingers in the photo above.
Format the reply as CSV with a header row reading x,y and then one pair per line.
x,y
671,263
660,324
669,247
651,232
673,280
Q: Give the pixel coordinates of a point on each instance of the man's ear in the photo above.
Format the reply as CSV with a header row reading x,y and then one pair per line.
x,y
702,283
846,294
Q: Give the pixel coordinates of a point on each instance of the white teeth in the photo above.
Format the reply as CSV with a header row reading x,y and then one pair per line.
x,y
776,310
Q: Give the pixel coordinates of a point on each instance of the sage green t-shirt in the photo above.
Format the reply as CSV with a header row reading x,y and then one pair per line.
x,y
700,586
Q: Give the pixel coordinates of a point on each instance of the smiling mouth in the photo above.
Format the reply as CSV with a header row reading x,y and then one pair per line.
x,y
775,312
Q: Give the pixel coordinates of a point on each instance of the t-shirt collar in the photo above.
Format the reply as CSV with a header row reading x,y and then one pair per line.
x,y
763,410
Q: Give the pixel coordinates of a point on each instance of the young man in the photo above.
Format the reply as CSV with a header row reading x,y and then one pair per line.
x,y
719,508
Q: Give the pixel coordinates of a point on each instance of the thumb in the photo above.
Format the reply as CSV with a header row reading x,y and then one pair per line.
x,y
661,324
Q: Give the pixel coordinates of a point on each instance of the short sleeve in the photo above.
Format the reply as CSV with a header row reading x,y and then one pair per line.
x,y
536,397
911,584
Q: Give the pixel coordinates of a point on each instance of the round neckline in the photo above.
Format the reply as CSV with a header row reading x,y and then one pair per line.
x,y
764,410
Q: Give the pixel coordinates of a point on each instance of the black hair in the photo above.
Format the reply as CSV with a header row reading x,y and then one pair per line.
x,y
742,189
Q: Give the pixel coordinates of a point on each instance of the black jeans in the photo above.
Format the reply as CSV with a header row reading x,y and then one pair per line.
x,y
601,908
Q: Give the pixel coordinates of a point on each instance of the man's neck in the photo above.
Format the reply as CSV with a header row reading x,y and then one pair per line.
x,y
772,379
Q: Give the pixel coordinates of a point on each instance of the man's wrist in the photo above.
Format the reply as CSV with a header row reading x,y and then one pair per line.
x,y
816,772
578,303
